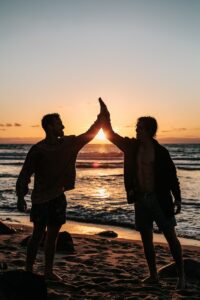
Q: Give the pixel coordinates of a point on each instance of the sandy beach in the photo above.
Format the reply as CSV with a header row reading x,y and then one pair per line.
x,y
102,268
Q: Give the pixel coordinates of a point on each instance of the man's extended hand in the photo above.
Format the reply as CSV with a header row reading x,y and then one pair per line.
x,y
177,207
104,111
21,205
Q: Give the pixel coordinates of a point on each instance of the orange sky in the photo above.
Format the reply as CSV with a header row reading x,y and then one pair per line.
x,y
61,56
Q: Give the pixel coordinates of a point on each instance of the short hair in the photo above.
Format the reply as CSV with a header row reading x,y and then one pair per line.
x,y
49,119
150,124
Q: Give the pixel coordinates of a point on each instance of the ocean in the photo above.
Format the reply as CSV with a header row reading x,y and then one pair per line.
x,y
99,196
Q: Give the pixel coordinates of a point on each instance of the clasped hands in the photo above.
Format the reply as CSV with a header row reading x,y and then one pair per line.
x,y
104,116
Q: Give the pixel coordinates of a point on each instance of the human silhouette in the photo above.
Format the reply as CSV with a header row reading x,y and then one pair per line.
x,y
150,178
52,161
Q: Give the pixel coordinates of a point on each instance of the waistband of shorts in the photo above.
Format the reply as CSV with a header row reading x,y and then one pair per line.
x,y
145,194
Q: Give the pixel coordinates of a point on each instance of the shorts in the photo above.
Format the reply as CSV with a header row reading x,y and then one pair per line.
x,y
52,212
148,210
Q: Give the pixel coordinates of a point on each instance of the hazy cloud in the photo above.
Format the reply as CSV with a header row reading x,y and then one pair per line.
x,y
174,129
35,126
181,129
10,125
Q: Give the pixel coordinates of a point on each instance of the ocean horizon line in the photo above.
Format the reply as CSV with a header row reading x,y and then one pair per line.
x,y
31,141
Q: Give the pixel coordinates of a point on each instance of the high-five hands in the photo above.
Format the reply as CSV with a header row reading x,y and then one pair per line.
x,y
104,111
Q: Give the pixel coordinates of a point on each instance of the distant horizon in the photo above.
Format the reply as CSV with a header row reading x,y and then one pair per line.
x,y
31,141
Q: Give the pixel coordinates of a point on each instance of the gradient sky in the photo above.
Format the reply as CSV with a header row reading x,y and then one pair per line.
x,y
142,57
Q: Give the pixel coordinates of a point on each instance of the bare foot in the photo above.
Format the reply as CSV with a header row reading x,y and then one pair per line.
x,y
53,276
181,283
151,280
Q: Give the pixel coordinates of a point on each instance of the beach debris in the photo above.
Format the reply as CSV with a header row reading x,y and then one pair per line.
x,y
19,284
65,242
108,234
5,229
191,266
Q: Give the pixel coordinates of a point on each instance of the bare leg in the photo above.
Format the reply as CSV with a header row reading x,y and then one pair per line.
x,y
33,244
176,252
149,251
50,248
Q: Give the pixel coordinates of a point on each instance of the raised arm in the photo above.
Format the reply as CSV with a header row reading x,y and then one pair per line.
x,y
87,136
112,136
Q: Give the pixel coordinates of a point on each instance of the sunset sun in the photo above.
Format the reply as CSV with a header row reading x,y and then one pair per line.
x,y
101,136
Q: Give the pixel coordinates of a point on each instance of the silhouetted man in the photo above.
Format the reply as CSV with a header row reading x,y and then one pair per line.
x,y
52,161
150,178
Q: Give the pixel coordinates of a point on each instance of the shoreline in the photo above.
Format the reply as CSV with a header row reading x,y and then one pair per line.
x,y
84,228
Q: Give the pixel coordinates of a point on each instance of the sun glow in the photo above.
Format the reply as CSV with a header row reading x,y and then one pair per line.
x,y
100,136
102,193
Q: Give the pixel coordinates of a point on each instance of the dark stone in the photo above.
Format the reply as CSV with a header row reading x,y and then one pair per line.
x,y
191,266
4,229
64,242
108,233
22,285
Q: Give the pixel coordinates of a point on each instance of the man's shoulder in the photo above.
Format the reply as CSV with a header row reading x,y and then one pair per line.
x,y
130,144
130,140
162,149
65,140
33,152
35,147
40,145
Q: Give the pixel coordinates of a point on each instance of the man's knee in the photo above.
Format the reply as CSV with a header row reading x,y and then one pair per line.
x,y
170,235
52,232
38,231
146,235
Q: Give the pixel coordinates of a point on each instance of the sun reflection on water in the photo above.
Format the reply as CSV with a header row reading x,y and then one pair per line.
x,y
102,192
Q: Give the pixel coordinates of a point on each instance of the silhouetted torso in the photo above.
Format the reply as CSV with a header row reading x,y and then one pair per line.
x,y
145,168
